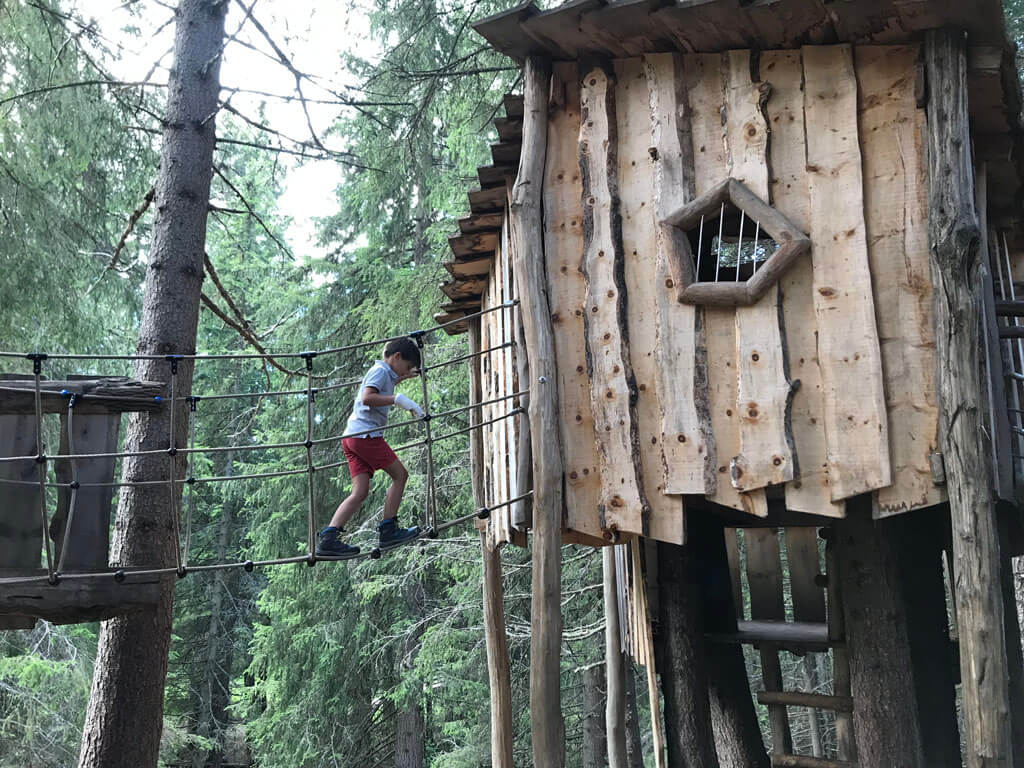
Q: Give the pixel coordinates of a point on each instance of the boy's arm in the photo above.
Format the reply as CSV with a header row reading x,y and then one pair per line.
x,y
374,399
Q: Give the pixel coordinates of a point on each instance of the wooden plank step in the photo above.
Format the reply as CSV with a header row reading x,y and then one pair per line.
x,y
805,761
481,222
472,268
487,200
472,246
513,105
509,128
798,635
70,601
1007,308
99,395
492,176
506,154
803,699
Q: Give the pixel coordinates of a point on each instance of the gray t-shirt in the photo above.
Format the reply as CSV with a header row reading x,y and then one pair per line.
x,y
365,417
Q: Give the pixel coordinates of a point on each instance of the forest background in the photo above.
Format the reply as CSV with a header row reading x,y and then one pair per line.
x,y
340,171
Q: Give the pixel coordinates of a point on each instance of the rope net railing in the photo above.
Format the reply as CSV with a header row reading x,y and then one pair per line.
x,y
175,483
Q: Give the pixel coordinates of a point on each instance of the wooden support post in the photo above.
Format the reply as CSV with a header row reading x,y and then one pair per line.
x,y
547,726
846,744
497,657
615,710
882,682
594,742
957,272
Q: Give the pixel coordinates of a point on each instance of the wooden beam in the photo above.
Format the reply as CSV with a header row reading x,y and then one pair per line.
x,y
78,600
99,395
547,726
613,394
499,675
801,699
481,222
509,129
471,246
472,268
488,200
954,238
805,761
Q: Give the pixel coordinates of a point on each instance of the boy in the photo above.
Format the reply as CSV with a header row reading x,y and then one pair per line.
x,y
367,451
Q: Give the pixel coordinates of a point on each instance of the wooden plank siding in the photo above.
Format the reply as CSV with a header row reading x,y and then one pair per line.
x,y
856,426
809,491
640,250
622,503
704,86
764,391
563,248
680,357
896,219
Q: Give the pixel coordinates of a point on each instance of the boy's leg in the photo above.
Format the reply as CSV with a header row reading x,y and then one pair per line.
x,y
399,475
355,499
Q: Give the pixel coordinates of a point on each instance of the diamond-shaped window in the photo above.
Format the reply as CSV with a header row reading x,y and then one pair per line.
x,y
735,248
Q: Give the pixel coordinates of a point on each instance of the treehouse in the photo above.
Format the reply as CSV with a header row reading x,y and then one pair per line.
x,y
75,585
752,269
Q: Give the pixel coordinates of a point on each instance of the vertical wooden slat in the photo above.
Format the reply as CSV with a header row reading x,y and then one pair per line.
x,y
810,491
846,744
640,247
856,428
764,574
88,541
476,437
21,545
563,245
732,551
896,222
765,456
500,320
613,392
704,87
687,440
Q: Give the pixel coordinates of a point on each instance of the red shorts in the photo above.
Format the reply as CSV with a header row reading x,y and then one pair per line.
x,y
367,454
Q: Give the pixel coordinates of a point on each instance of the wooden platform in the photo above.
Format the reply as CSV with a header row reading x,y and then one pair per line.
x,y
73,600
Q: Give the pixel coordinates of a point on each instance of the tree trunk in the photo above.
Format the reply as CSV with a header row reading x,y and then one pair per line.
x,y
498,671
595,747
813,721
409,746
737,733
885,716
681,661
615,709
546,724
124,718
957,272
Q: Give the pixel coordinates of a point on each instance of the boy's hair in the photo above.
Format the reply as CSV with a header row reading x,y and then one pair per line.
x,y
406,347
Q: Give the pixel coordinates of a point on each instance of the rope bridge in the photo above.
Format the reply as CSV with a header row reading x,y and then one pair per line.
x,y
182,550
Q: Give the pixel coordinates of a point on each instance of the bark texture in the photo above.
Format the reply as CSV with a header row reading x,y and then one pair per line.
x,y
885,716
595,747
958,272
124,718
615,708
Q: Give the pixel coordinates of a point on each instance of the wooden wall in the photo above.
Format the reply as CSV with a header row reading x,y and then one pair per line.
x,y
824,388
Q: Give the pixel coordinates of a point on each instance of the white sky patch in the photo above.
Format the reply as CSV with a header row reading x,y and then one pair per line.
x,y
314,34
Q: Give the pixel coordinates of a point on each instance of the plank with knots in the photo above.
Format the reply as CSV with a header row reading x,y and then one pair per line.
x,y
856,426
680,357
764,392
809,491
706,101
640,247
613,393
563,250
896,222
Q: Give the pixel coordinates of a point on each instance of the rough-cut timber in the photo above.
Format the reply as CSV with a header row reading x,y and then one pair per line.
x,y
563,251
124,719
875,612
613,394
640,249
896,219
92,598
704,86
954,236
856,428
809,492
547,727
687,440
21,544
765,393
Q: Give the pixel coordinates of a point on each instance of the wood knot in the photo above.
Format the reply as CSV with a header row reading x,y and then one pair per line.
x,y
579,369
681,438
555,317
615,369
610,395
653,152
573,475
669,283
617,501
607,336
654,441
777,461
826,291
752,412
611,294
579,417
755,357
728,411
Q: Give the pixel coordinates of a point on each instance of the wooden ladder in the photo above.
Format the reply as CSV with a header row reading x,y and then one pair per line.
x,y
817,627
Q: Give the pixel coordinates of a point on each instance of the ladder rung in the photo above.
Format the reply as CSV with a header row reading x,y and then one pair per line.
x,y
804,761
801,699
1009,308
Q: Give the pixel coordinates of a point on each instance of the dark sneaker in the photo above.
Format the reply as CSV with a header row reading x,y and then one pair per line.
x,y
390,535
331,547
